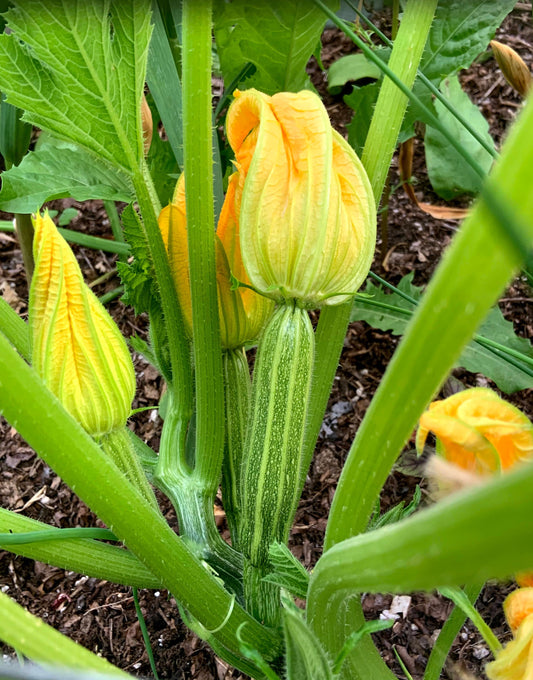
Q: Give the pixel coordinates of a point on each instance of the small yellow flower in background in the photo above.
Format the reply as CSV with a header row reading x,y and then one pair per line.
x,y
76,346
242,312
478,431
305,206
515,661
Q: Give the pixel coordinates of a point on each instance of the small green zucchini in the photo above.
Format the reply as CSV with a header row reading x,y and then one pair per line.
x,y
280,392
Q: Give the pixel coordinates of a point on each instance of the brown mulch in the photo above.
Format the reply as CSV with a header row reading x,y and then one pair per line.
x,y
101,615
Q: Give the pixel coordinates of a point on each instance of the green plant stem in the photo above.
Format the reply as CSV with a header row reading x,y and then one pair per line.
x,y
178,346
191,484
15,329
43,644
434,90
54,534
438,547
506,353
197,123
66,447
238,389
82,555
144,631
80,239
192,501
377,156
116,227
111,295
103,278
450,630
460,599
119,447
24,229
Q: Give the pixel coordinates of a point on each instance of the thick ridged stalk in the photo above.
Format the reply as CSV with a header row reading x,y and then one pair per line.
x,y
280,393
193,502
238,389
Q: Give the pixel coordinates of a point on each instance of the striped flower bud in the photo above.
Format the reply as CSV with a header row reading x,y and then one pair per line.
x,y
76,346
242,312
478,431
306,209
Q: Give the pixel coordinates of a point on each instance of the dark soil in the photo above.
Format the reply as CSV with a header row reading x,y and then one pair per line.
x,y
100,615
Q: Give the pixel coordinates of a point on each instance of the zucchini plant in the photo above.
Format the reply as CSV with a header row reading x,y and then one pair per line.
x,y
295,215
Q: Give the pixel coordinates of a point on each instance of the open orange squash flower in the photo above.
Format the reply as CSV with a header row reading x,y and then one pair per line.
x,y
478,431
515,661
242,312
306,210
481,433
76,346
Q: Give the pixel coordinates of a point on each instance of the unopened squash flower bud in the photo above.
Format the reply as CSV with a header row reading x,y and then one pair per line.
x,y
478,431
513,67
242,312
148,125
306,209
76,346
515,660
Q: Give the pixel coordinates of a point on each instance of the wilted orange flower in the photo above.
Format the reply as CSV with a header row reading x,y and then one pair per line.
x,y
306,209
242,312
478,431
515,661
76,346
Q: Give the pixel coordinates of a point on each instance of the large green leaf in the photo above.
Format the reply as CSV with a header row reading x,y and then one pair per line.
x,y
460,32
480,359
391,312
363,101
278,37
351,67
58,169
449,173
78,69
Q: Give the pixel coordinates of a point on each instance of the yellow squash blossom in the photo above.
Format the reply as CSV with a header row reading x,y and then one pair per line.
x,y
306,209
478,431
76,346
515,661
242,312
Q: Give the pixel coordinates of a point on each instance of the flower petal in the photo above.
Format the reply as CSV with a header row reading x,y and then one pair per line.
x,y
306,208
515,661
